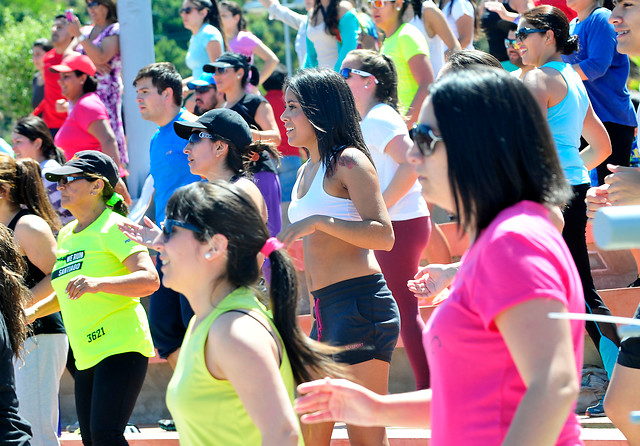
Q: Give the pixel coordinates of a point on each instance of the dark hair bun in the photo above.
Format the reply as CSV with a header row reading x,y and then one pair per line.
x,y
571,46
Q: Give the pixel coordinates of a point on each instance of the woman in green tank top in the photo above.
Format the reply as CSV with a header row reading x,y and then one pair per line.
x,y
239,362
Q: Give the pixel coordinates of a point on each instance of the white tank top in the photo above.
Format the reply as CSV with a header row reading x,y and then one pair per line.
x,y
318,202
325,44
435,43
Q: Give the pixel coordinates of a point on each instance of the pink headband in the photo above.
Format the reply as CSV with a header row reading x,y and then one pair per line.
x,y
271,245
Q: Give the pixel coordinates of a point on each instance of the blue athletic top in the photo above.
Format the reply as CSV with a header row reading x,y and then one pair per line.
x,y
169,166
566,119
197,55
606,69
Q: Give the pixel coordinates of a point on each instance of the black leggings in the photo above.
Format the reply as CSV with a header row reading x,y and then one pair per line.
x,y
575,224
105,396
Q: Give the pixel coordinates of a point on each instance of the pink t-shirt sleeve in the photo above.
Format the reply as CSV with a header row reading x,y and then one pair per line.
x,y
514,269
244,43
89,109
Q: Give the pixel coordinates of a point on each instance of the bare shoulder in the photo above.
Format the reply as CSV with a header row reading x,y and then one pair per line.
x,y
343,8
351,158
237,333
31,225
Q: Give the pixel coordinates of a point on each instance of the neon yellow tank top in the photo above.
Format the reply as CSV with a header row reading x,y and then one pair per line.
x,y
207,411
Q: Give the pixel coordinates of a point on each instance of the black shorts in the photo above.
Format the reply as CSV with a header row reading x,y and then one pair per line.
x,y
360,315
629,355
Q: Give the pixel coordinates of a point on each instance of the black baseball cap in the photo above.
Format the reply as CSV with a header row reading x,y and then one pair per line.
x,y
228,60
87,161
222,122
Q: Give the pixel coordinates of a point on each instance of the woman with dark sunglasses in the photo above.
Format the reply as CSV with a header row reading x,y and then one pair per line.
x,y
98,278
372,80
490,384
239,362
339,212
543,37
407,47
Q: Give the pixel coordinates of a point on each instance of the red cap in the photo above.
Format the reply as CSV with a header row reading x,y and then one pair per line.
x,y
74,62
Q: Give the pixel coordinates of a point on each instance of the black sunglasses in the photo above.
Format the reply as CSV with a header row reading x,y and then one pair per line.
x,y
70,179
92,4
167,227
508,43
425,140
220,70
187,10
523,33
196,137
203,88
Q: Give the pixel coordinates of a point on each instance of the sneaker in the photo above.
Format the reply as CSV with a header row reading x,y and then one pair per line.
x,y
167,425
596,411
635,283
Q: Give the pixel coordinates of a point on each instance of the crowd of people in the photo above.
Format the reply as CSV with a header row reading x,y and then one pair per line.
x,y
392,113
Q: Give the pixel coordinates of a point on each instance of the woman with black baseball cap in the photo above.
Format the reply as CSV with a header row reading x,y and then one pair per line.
x,y
98,279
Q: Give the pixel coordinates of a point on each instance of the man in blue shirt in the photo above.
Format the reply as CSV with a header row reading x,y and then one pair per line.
x,y
159,98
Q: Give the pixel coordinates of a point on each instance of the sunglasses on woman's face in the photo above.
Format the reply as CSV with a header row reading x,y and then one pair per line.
x,y
221,70
523,33
195,138
186,10
168,225
346,73
62,181
92,4
424,138
378,3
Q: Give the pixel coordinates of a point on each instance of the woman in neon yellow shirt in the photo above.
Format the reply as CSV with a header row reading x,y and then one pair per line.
x,y
407,47
234,380
98,278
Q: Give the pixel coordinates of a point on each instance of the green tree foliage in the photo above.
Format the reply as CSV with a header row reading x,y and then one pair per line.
x,y
15,59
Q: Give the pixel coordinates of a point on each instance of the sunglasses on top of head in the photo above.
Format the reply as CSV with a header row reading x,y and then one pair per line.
x,y
523,33
346,73
424,138
168,225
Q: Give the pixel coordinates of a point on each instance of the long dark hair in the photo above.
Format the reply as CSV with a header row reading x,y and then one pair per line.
x,y
330,16
239,159
553,19
383,68
32,128
494,164
112,9
24,178
213,14
328,104
235,9
222,208
13,292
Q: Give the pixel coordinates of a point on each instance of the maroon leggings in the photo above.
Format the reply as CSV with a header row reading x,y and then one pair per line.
x,y
398,266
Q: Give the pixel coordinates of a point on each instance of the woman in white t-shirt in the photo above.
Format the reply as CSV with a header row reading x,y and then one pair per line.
x,y
460,16
372,79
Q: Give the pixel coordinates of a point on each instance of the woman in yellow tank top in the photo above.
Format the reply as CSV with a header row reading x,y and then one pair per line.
x,y
234,380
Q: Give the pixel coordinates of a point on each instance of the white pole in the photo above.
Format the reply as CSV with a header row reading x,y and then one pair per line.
x,y
136,50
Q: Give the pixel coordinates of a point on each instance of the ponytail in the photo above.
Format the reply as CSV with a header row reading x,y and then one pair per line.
x,y
111,199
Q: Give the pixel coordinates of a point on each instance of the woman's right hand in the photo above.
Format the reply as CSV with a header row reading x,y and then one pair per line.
x,y
432,279
145,235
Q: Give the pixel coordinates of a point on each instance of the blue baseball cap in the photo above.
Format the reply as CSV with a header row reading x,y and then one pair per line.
x,y
204,81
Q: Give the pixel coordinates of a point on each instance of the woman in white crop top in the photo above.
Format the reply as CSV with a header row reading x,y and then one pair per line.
x,y
338,210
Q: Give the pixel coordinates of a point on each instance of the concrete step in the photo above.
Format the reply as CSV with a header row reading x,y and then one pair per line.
x,y
601,434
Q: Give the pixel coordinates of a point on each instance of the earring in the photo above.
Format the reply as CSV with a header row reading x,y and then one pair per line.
x,y
207,255
398,8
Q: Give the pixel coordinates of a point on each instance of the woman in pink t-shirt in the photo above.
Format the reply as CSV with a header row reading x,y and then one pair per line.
x,y
244,42
491,384
87,125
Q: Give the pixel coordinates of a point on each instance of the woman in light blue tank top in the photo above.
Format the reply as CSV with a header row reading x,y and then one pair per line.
x,y
543,37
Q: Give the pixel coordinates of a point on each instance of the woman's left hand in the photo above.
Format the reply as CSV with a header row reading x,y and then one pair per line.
x,y
80,285
298,230
74,27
